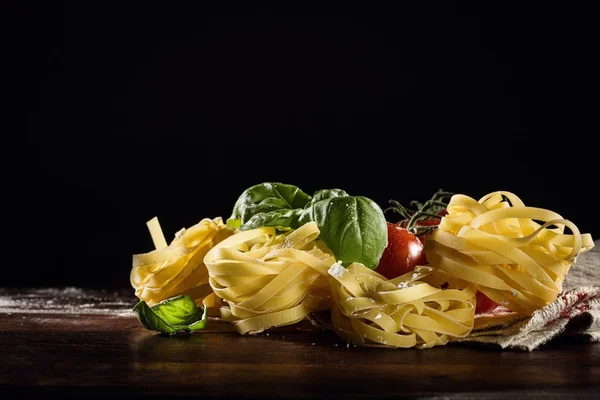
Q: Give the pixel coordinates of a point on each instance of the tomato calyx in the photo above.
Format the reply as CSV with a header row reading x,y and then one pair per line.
x,y
422,218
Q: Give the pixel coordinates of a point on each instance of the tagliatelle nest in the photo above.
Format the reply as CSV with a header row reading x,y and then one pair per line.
x,y
516,255
270,280
403,312
177,268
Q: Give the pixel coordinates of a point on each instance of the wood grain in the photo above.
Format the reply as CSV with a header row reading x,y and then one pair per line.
x,y
101,350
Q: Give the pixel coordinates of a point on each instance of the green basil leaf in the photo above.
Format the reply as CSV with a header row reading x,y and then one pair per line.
x,y
279,219
325,194
354,228
170,316
318,197
267,197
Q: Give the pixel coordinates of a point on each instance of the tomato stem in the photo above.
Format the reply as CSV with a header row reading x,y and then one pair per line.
x,y
430,209
400,209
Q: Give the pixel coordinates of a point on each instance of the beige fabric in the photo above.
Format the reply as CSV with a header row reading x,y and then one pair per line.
x,y
574,314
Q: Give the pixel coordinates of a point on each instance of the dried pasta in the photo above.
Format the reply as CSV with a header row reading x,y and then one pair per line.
x,y
268,279
178,268
516,255
399,313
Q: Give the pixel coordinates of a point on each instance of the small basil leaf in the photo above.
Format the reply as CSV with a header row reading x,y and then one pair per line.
x,y
266,197
234,223
170,316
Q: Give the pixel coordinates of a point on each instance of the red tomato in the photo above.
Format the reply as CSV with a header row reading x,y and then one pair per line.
x,y
484,304
403,252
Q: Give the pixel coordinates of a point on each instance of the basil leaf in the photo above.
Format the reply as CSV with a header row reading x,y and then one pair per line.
x,y
267,197
325,194
319,196
280,219
170,316
354,228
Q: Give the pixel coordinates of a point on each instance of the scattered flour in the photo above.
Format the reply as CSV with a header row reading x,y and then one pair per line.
x,y
66,301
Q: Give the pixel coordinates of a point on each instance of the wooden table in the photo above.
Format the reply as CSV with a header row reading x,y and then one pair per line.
x,y
86,343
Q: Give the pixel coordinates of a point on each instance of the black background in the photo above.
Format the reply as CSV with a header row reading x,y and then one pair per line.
x,y
137,110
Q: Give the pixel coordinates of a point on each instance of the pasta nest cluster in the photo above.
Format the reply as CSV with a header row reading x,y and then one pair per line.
x,y
268,279
261,278
178,268
271,280
516,255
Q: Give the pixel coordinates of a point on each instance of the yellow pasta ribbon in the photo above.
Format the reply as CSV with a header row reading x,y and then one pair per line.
x,y
269,280
178,268
402,312
516,255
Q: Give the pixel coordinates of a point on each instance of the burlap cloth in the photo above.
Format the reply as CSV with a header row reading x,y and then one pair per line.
x,y
574,315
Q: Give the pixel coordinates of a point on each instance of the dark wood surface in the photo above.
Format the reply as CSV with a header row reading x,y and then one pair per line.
x,y
83,343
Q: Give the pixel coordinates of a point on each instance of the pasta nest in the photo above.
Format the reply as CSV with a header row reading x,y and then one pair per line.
x,y
516,255
178,269
268,279
403,312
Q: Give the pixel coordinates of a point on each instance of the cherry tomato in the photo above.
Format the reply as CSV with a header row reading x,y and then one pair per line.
x,y
484,304
403,252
